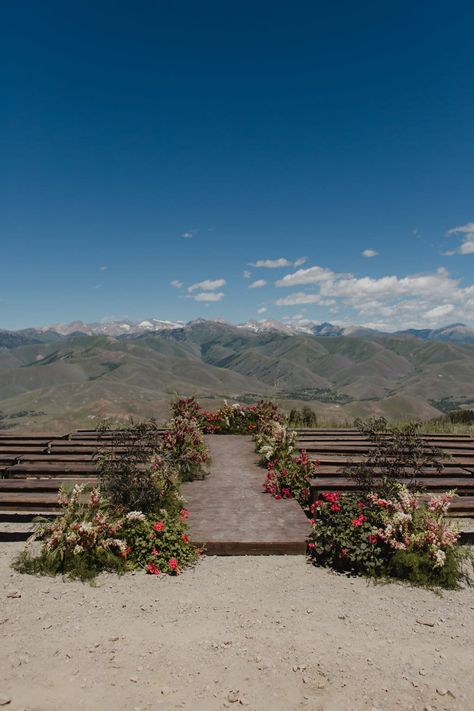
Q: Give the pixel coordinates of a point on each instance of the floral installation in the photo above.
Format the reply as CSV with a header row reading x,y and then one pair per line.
x,y
91,535
405,536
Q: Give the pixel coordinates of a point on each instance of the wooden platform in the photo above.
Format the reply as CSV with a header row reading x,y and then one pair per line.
x,y
230,513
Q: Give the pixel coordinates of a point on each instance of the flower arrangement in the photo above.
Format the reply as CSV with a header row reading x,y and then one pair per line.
x,y
92,535
289,477
404,537
237,419
183,442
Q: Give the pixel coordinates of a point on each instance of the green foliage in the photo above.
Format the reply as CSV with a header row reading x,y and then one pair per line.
x,y
417,568
159,543
306,417
289,478
80,543
395,453
136,471
402,537
183,445
92,536
236,419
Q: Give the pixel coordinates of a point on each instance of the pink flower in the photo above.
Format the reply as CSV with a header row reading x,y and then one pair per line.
x,y
173,564
372,539
183,514
154,552
158,526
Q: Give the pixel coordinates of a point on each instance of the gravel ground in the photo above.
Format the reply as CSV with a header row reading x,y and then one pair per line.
x,y
258,632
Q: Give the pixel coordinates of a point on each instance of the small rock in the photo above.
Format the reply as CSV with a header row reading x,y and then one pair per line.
x,y
427,621
233,696
13,593
4,700
441,692
165,690
114,639
134,679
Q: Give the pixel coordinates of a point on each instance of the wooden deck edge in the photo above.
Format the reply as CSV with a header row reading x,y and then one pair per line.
x,y
221,548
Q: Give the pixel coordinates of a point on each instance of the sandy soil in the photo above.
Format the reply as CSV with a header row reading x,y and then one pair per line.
x,y
258,632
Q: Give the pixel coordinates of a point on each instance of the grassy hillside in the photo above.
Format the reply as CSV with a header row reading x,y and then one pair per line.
x,y
64,383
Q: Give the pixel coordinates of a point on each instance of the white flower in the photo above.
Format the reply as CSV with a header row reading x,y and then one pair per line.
x,y
440,558
77,550
136,516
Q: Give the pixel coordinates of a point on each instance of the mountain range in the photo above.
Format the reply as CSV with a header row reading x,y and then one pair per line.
x,y
454,333
70,376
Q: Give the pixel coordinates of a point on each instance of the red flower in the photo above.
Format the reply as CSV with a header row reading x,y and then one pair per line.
x,y
159,526
335,507
185,538
372,539
173,564
154,552
331,496
359,520
344,551
183,514
153,569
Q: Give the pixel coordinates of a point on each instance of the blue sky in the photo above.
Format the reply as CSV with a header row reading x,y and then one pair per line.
x,y
203,143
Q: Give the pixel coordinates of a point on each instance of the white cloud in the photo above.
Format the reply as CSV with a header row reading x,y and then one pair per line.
x,y
207,285
313,275
439,311
299,298
369,253
209,296
187,235
262,310
257,284
271,263
177,284
467,244
298,262
246,274
103,269
401,301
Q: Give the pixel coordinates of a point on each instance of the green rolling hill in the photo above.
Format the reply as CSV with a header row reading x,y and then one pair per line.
x,y
75,380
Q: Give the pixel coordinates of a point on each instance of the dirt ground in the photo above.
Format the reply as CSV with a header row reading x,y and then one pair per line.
x,y
257,632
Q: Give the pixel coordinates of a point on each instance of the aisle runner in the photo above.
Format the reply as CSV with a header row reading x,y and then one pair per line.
x,y
230,514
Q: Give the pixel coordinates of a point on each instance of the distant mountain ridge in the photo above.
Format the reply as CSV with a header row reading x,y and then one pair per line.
x,y
49,380
125,328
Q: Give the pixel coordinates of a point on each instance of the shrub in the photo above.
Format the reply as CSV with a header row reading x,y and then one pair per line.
x,y
183,444
396,453
236,419
275,442
187,407
160,543
85,540
92,536
136,472
306,417
401,537
290,478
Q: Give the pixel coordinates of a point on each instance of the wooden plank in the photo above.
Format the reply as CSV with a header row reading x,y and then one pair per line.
x,y
37,485
433,483
334,470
